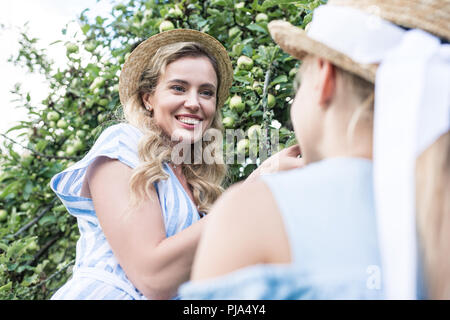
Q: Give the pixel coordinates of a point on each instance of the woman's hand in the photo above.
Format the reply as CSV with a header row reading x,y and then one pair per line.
x,y
286,159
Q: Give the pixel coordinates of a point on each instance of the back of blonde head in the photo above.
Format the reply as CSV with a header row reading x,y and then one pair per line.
x,y
432,192
155,146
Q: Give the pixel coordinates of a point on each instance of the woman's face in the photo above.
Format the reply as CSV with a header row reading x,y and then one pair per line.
x,y
305,113
184,100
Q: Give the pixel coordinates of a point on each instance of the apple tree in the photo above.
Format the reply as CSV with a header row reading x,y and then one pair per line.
x,y
37,235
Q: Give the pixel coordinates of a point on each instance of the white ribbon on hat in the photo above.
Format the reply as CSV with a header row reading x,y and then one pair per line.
x,y
412,110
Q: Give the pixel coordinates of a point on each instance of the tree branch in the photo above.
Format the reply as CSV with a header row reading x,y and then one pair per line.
x,y
38,154
36,219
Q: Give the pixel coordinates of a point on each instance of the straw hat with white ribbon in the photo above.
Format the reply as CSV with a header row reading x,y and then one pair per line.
x,y
139,59
402,47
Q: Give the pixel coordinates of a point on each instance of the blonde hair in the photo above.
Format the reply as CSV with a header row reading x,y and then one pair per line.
x,y
155,146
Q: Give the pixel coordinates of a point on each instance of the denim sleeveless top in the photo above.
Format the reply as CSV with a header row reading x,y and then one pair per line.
x,y
328,212
97,273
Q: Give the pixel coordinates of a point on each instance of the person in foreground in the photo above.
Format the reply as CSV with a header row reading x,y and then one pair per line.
x,y
139,204
344,225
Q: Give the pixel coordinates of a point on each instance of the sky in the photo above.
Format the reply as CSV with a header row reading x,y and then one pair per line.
x,y
46,19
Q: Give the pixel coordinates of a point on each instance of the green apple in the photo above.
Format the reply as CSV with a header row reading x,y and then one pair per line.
x,y
31,133
257,87
239,5
70,151
175,12
71,48
261,17
254,131
26,157
78,145
166,25
228,122
3,215
120,7
257,72
237,49
62,124
97,83
270,100
101,117
32,246
24,206
237,104
233,31
103,102
81,134
90,46
245,63
242,146
53,116
148,13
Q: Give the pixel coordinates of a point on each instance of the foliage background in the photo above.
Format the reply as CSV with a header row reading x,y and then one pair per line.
x,y
37,235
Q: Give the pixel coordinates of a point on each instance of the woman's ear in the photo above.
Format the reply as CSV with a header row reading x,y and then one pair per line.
x,y
146,101
327,84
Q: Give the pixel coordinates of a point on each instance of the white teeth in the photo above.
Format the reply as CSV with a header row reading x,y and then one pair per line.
x,y
188,120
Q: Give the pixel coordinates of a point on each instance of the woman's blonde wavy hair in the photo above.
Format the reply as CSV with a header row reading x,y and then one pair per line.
x,y
155,146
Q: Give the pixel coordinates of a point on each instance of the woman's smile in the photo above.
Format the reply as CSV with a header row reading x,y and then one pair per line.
x,y
189,121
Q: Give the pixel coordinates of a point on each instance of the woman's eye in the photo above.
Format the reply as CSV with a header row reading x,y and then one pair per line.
x,y
178,88
208,93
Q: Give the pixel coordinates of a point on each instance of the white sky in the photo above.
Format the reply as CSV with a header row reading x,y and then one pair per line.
x,y
46,20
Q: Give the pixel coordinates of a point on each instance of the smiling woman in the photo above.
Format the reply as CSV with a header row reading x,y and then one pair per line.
x,y
137,211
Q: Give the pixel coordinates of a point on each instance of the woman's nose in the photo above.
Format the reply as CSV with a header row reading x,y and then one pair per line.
x,y
192,101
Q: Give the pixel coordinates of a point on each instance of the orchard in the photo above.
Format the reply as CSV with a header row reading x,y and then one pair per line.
x,y
37,235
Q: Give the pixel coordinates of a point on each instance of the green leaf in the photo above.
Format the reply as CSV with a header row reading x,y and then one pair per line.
x,y
3,246
85,28
257,28
280,79
20,126
47,220
6,287
10,189
40,146
271,3
27,190
257,113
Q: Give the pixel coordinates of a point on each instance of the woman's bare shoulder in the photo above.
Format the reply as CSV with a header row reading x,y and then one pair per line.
x,y
245,228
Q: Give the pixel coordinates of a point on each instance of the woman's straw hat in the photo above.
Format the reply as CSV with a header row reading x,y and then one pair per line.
x,y
139,59
429,15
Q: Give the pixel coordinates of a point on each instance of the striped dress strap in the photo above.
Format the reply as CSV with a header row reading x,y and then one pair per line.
x,y
116,142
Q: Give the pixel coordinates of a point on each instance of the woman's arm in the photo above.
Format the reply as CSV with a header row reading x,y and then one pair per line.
x,y
156,265
245,228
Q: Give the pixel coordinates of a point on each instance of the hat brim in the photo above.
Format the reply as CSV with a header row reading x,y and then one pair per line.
x,y
139,59
296,42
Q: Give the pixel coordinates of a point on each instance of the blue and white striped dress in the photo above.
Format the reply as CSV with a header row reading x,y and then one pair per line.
x,y
97,273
